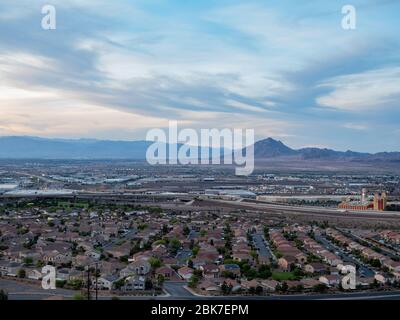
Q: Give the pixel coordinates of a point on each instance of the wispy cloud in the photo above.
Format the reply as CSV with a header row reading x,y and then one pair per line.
x,y
370,90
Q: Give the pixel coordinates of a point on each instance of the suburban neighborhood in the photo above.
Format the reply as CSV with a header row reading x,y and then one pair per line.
x,y
128,251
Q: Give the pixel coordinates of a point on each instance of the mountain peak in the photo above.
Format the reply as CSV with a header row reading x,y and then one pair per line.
x,y
271,148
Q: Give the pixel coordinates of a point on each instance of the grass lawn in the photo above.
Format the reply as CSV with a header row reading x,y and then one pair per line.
x,y
281,276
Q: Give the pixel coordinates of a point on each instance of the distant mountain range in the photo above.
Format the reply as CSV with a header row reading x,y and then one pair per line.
x,y
270,148
25,147
41,148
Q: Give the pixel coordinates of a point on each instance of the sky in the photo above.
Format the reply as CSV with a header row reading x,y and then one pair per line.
x,y
287,69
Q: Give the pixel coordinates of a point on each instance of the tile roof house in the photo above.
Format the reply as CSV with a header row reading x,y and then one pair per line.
x,y
315,267
330,280
210,271
246,284
236,286
269,285
209,286
231,268
185,272
285,262
166,272
34,274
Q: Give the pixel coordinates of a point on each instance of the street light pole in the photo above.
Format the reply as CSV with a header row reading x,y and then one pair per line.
x,y
88,283
96,282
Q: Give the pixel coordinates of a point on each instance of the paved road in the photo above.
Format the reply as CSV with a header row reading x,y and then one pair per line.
x,y
361,240
363,269
304,210
119,239
24,291
183,255
177,290
19,291
257,205
262,247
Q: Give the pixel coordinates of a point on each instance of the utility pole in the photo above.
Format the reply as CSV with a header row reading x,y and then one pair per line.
x,y
88,283
96,281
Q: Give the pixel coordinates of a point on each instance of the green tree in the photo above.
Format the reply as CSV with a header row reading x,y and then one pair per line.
x,y
119,283
375,263
155,262
186,230
160,279
78,296
259,290
60,283
194,280
320,288
174,245
75,284
226,289
3,295
264,272
40,264
21,273
195,250
282,287
148,285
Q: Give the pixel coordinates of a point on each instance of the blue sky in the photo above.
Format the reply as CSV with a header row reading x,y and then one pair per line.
x,y
114,69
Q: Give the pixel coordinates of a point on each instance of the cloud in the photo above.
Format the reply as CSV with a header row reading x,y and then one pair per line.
x,y
277,68
371,90
355,126
36,99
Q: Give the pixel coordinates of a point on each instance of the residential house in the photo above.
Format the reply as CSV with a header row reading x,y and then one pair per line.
x,y
139,267
236,286
185,272
269,285
247,285
315,267
210,271
106,282
209,286
34,274
330,280
285,262
309,283
232,268
166,272
134,283
9,268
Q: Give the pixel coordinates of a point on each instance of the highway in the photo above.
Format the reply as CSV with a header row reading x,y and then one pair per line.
x,y
306,210
162,200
